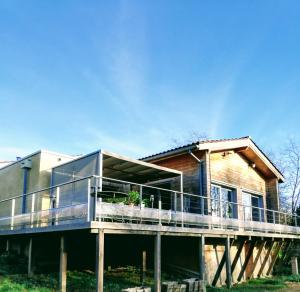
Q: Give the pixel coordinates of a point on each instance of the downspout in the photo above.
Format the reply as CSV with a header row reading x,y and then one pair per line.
x,y
26,165
201,191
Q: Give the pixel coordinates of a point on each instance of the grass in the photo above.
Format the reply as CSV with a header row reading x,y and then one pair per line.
x,y
266,284
14,278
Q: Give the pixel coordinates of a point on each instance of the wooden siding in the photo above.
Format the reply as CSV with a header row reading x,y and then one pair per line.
x,y
229,168
190,168
233,169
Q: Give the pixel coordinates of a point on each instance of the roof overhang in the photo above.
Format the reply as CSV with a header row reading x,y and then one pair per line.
x,y
245,146
249,150
129,169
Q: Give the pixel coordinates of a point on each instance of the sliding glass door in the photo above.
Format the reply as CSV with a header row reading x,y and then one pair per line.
x,y
253,207
223,202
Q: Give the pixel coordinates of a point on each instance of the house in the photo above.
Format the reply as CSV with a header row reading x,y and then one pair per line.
x,y
209,208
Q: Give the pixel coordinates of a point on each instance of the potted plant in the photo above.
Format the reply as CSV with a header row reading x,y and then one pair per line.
x,y
133,198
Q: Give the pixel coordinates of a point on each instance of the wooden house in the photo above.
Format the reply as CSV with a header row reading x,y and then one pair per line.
x,y
209,208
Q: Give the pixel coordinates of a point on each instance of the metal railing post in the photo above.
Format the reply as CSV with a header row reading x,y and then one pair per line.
x,y
202,205
274,219
141,202
89,201
95,199
159,211
181,202
57,198
13,204
259,214
32,209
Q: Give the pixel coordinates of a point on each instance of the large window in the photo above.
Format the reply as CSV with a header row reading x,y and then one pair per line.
x,y
253,207
223,202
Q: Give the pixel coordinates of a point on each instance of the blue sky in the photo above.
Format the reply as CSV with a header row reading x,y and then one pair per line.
x,y
128,76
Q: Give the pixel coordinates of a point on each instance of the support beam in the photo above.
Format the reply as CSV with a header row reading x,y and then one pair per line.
x,y
157,262
143,267
247,258
100,260
228,263
29,267
201,251
237,256
294,262
261,247
261,270
286,254
274,257
220,267
219,270
63,265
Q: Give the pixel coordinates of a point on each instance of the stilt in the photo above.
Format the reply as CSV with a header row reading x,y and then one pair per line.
x,y
143,267
63,265
228,263
29,267
100,261
294,262
7,245
261,247
237,256
247,258
157,263
261,270
274,258
201,250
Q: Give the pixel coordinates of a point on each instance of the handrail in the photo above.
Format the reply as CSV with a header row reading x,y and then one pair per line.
x,y
260,209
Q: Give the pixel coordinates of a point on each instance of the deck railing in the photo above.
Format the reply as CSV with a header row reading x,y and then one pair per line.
x,y
105,199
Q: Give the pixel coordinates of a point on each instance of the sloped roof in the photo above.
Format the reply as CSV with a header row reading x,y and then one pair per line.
x,y
222,145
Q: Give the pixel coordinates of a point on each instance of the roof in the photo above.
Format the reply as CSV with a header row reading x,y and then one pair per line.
x,y
33,154
121,167
254,153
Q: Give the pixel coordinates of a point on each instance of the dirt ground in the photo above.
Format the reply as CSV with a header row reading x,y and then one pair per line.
x,y
292,286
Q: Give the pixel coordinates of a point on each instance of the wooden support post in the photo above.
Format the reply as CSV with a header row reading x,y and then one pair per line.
x,y
237,256
29,267
201,251
7,245
294,262
100,261
274,257
219,270
261,247
157,262
247,258
261,270
286,253
143,267
228,263
63,265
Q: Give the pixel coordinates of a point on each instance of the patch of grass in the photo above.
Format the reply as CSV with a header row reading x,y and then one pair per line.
x,y
266,284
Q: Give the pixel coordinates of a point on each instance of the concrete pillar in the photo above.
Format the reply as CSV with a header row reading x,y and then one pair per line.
x,y
63,265
100,261
228,263
157,263
29,267
201,250
294,262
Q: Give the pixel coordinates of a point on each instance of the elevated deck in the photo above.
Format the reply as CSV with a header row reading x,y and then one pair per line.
x,y
74,206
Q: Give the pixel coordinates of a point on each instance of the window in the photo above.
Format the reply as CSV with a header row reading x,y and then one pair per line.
x,y
223,202
253,207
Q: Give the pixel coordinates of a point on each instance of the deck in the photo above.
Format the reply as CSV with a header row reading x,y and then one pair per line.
x,y
73,206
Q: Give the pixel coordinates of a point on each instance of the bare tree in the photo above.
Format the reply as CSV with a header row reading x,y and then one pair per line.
x,y
290,166
191,137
